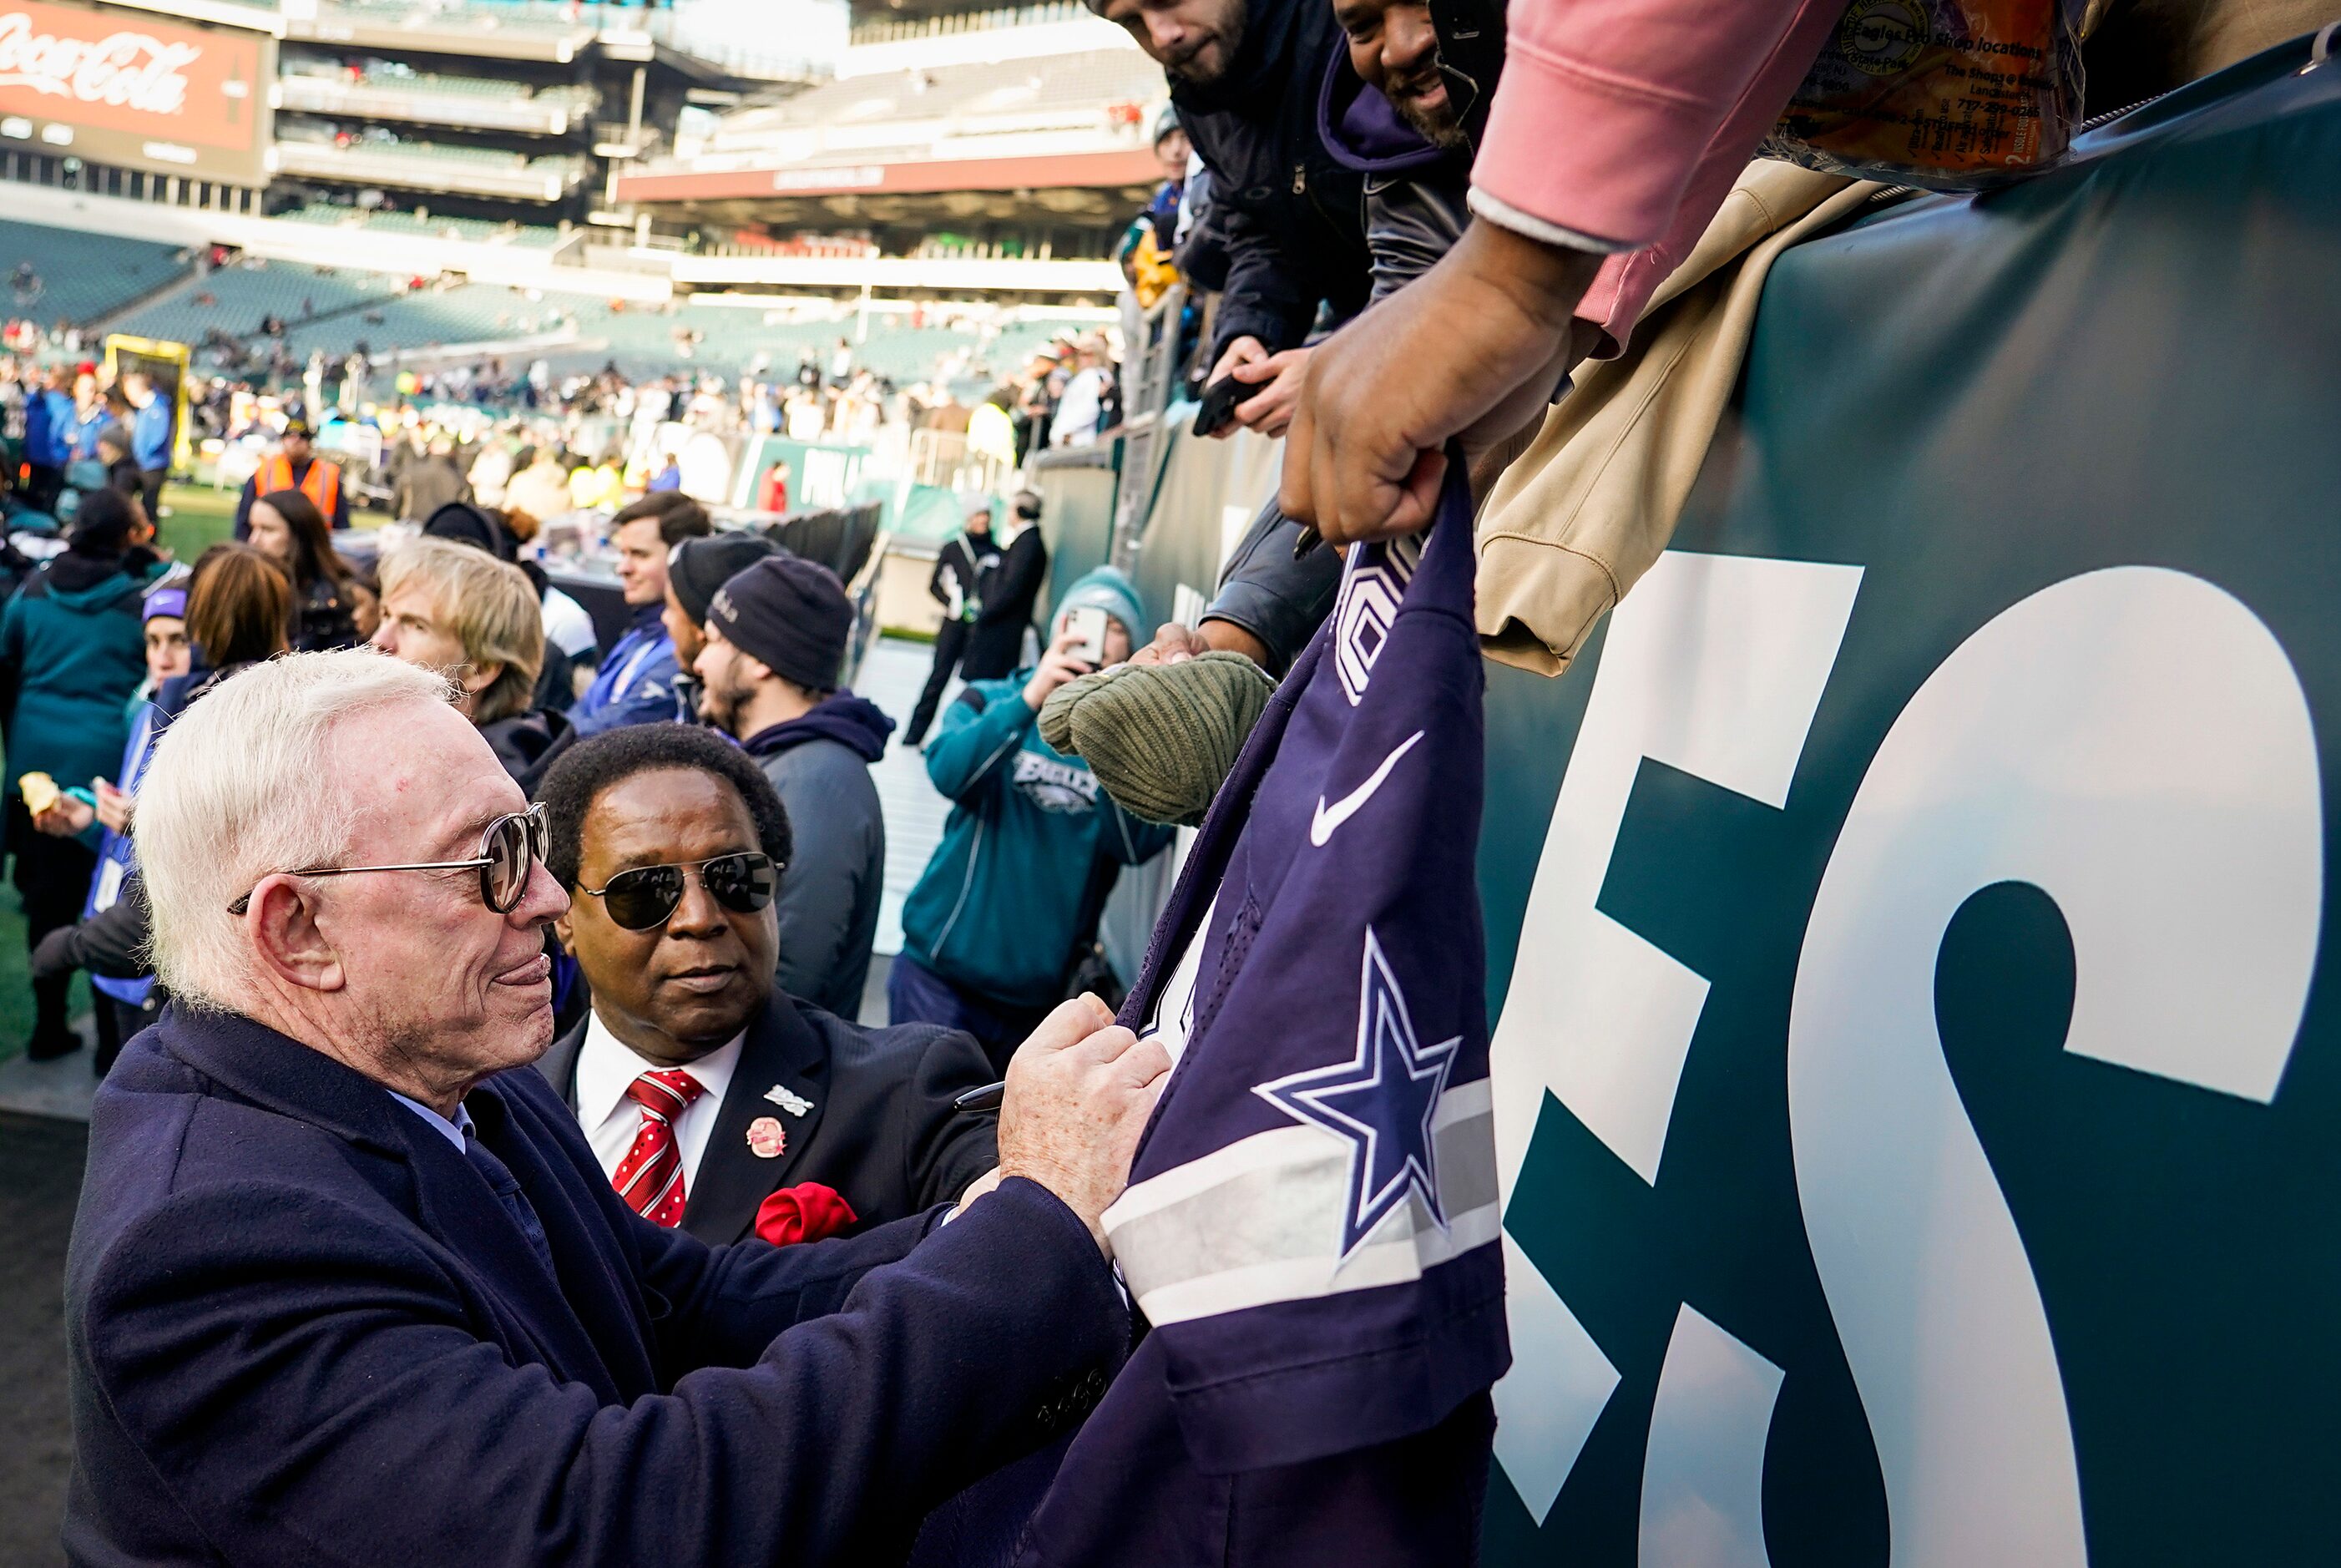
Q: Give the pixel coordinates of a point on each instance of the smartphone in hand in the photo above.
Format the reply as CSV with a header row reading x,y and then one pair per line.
x,y
1219,404
1089,622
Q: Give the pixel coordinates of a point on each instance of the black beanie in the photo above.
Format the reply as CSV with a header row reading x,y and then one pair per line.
x,y
695,568
465,524
103,525
789,614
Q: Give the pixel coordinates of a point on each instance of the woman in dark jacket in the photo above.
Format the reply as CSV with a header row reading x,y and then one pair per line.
x,y
287,528
238,604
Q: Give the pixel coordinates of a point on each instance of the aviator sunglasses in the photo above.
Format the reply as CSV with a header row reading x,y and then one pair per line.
x,y
510,848
647,897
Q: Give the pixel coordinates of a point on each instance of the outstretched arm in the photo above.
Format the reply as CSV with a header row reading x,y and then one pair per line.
x,y
340,1404
1619,124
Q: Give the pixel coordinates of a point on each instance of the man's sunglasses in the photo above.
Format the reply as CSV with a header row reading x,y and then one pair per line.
x,y
510,848
646,897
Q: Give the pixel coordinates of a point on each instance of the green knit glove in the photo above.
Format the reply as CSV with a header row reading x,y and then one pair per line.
x,y
1161,738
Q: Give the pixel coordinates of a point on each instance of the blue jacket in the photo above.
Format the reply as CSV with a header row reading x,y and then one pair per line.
x,y
48,424
117,857
84,431
150,434
635,684
300,1325
1028,853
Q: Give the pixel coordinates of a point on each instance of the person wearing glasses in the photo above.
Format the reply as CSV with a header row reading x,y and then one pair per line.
x,y
347,1281
670,841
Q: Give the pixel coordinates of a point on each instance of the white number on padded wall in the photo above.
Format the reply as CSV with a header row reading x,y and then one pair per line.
x,y
1714,664
2134,743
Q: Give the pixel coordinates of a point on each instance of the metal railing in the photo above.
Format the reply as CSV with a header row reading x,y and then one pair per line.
x,y
943,458
1151,368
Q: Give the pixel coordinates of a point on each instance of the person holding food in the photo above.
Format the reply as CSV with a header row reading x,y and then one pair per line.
x,y
121,1003
72,649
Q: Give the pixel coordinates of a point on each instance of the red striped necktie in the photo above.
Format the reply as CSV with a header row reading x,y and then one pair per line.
x,y
649,1178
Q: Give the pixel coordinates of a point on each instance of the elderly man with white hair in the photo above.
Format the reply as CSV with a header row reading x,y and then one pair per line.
x,y
346,1287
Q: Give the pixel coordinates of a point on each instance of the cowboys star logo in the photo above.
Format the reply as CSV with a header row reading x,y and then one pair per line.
x,y
1381,1101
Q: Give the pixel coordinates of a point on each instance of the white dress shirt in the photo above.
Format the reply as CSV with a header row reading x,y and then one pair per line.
x,y
606,1065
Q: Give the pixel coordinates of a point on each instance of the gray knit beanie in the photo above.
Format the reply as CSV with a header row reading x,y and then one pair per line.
x,y
1160,738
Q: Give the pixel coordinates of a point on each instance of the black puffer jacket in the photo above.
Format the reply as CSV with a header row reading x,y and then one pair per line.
x,y
323,618
1415,206
1289,216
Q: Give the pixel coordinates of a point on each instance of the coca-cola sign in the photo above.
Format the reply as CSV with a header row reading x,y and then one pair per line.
x,y
133,89
125,69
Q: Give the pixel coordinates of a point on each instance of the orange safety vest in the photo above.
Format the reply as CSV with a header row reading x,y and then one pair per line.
x,y
321,484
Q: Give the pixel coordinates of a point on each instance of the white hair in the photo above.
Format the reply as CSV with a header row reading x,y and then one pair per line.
x,y
237,792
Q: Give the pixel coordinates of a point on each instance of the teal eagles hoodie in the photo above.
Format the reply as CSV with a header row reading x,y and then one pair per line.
x,y
1030,850
72,650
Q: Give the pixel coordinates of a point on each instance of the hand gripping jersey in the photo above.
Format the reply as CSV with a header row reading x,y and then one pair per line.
x,y
1312,1218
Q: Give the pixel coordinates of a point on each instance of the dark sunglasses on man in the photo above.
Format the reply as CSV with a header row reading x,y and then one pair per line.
x,y
646,897
510,848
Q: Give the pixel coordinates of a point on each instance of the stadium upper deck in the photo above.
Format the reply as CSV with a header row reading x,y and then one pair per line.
x,y
995,152
1031,127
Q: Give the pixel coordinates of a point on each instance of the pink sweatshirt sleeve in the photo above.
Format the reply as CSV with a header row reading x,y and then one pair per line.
x,y
1626,121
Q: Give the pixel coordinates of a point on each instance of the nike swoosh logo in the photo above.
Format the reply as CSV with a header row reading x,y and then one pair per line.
x,y
1327,818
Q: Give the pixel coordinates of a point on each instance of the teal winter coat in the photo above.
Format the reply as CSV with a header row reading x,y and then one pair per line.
x,y
72,650
1030,850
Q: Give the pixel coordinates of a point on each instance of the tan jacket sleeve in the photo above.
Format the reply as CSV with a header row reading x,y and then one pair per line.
x,y
1582,515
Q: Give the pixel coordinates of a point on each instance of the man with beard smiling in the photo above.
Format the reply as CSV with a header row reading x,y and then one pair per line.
x,y
347,1284
671,843
1394,110
1288,214
1386,110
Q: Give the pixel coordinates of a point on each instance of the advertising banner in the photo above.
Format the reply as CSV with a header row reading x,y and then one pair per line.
x,y
1915,1057
133,90
1916,1048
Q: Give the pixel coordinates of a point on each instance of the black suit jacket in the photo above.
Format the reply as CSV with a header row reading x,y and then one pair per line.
x,y
303,1327
880,1129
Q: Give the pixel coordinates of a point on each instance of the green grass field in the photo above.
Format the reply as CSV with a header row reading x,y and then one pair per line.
x,y
198,517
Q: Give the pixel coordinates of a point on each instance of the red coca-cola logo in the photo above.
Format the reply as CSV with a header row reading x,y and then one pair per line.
x,y
124,69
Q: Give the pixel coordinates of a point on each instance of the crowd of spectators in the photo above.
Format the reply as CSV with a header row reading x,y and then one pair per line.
x,y
1061,392
105,643
679,837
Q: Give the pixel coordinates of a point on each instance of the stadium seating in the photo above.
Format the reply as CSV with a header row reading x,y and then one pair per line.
x,y
84,277
309,135
236,300
314,149
468,15
904,108
333,310
474,231
326,87
892,31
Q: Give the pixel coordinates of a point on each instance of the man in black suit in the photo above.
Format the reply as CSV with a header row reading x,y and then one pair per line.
x,y
652,831
347,1285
